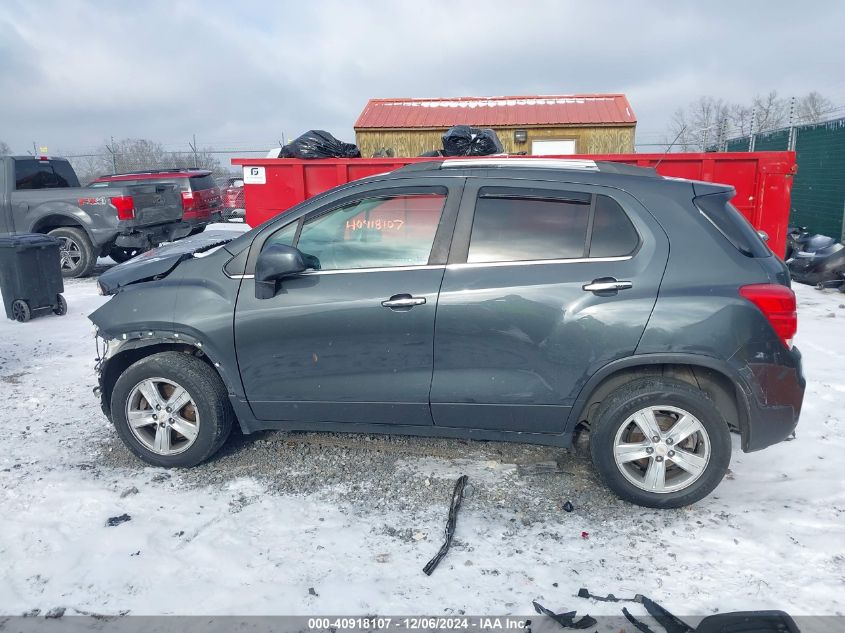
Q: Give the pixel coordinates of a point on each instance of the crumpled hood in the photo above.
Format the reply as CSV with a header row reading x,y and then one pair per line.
x,y
159,262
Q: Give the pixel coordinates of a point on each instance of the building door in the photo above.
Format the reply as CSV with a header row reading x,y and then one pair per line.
x,y
552,147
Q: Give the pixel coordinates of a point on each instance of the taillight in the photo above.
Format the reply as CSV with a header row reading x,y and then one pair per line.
x,y
777,303
125,206
188,201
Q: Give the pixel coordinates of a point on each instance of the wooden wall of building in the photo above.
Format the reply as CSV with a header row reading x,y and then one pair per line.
x,y
588,140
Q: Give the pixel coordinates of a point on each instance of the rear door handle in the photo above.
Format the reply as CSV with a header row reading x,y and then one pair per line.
x,y
403,301
607,285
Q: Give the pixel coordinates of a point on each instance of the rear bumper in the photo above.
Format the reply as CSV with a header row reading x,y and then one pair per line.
x,y
150,236
774,393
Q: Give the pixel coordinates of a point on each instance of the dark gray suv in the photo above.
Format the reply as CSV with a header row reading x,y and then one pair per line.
x,y
518,300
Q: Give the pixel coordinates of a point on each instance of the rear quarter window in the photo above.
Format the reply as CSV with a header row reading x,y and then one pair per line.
x,y
613,233
733,226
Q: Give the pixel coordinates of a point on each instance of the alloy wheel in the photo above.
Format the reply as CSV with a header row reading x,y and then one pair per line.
x,y
70,253
162,416
662,449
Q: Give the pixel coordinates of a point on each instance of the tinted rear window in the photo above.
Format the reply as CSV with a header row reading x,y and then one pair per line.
x,y
37,174
732,224
202,182
520,229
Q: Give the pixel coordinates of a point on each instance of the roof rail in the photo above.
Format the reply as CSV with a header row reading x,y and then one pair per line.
x,y
581,164
530,163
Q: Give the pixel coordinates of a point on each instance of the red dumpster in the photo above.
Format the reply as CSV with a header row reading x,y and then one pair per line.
x,y
763,181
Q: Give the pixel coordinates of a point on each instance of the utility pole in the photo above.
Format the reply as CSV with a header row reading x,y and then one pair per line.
x,y
113,153
194,150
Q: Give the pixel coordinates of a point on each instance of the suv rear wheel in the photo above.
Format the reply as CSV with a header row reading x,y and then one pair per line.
x,y
660,443
171,409
76,250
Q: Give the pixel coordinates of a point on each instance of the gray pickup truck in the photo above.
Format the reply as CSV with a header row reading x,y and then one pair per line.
x,y
42,195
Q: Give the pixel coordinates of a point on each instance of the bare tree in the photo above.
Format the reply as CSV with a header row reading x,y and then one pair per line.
x,y
700,126
707,121
812,107
739,116
5,150
770,112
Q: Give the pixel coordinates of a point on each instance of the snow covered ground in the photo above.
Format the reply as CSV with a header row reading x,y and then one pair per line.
x,y
318,523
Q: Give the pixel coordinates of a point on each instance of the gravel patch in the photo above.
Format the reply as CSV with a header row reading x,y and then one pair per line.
x,y
366,472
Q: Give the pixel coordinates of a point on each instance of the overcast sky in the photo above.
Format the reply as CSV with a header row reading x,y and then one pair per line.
x,y
238,74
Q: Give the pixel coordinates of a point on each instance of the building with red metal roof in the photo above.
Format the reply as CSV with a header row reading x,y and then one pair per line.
x,y
535,125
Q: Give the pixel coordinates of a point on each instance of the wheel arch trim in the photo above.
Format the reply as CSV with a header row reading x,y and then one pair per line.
x,y
717,365
139,345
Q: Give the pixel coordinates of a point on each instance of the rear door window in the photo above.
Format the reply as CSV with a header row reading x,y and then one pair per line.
x,y
512,224
43,174
512,229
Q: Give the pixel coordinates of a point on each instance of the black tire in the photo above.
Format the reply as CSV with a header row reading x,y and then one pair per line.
x,y
615,411
61,306
121,255
78,258
207,392
20,311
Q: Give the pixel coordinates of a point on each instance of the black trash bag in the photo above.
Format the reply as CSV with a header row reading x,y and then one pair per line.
x,y
457,140
486,142
463,140
319,144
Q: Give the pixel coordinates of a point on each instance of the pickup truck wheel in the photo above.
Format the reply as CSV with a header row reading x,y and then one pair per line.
x,y
171,409
121,255
76,250
660,443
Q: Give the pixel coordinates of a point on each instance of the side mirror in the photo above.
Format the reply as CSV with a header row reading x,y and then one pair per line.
x,y
276,262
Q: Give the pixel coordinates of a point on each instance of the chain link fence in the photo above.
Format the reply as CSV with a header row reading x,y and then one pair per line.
x,y
140,155
818,192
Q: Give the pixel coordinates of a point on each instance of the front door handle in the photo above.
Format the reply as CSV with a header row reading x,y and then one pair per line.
x,y
403,301
607,285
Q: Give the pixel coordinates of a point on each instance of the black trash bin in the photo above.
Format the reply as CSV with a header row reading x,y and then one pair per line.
x,y
31,275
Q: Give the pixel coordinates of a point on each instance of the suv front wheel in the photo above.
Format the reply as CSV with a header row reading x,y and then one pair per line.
x,y
171,409
660,443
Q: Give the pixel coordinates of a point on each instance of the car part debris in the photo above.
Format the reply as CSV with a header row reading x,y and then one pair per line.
x,y
584,593
566,620
114,521
819,266
815,259
319,144
451,522
537,468
733,622
748,621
